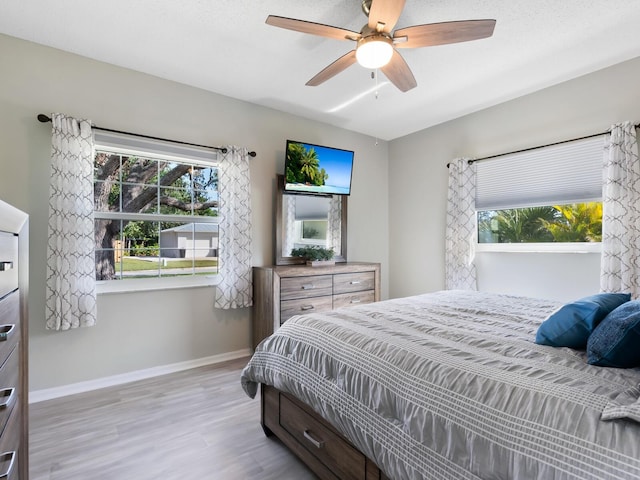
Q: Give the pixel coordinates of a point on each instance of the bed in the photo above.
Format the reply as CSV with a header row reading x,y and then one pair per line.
x,y
446,385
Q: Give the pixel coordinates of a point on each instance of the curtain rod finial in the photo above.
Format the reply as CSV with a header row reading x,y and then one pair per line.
x,y
43,118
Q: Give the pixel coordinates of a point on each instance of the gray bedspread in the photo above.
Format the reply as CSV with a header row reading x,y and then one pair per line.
x,y
450,385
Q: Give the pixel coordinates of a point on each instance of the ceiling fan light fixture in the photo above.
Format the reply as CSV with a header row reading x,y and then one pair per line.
x,y
374,51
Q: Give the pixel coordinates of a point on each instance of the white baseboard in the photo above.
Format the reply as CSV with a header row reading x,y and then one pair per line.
x,y
81,387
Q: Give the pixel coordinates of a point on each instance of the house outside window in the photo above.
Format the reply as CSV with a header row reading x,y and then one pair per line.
x,y
155,209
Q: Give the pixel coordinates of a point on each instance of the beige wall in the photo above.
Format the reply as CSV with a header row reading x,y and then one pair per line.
x,y
418,181
137,331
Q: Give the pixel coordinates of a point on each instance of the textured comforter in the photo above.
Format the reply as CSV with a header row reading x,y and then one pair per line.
x,y
451,385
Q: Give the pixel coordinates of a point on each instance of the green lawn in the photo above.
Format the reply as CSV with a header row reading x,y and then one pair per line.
x,y
133,264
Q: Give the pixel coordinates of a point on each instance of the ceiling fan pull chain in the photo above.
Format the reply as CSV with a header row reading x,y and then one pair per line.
x,y
374,76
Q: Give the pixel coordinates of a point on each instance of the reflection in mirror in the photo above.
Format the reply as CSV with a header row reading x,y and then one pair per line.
x,y
310,220
304,220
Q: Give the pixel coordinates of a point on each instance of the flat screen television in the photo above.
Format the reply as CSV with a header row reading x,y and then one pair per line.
x,y
314,169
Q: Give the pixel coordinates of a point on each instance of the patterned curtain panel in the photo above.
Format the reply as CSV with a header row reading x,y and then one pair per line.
x,y
234,289
71,286
460,271
620,265
289,222
334,225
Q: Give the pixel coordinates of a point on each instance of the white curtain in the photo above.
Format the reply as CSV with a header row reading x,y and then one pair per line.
x,y
70,286
289,222
234,289
460,271
620,265
334,224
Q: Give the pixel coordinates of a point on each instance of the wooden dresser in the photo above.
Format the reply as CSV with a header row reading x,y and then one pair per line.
x,y
280,292
14,427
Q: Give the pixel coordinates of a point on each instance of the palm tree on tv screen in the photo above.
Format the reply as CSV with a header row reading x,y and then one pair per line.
x,y
303,166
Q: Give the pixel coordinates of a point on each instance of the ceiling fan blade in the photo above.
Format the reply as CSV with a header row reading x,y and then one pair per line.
x,y
336,67
312,28
399,73
386,12
443,33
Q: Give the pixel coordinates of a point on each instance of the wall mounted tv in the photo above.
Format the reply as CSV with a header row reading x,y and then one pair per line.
x,y
314,169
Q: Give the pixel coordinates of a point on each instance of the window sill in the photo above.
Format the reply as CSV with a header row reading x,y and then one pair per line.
x,y
569,247
152,284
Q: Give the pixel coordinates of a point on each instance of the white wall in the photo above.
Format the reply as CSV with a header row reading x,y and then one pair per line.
x,y
558,276
418,182
142,330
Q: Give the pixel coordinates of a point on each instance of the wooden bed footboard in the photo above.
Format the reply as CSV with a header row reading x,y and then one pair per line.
x,y
324,450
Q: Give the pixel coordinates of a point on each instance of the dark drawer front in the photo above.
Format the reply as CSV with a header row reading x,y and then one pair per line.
x,y
289,308
349,299
305,287
9,388
8,263
353,282
9,324
331,449
9,445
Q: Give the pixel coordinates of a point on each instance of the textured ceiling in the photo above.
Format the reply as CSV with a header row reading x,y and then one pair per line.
x,y
225,46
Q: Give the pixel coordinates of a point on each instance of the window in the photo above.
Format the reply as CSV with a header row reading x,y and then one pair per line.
x,y
577,222
547,195
155,206
314,229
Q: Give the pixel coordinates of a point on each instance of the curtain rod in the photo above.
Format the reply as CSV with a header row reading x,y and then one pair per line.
x,y
470,162
44,119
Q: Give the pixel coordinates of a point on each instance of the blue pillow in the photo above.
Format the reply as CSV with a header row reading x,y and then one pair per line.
x,y
616,341
571,324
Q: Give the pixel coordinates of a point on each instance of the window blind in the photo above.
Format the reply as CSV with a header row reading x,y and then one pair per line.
x,y
164,149
569,172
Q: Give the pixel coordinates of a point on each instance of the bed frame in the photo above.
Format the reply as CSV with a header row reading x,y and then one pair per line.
x,y
325,451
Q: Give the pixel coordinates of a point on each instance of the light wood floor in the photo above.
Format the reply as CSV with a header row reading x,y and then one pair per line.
x,y
192,425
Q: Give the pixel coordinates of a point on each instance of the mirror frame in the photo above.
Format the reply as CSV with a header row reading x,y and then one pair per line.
x,y
280,231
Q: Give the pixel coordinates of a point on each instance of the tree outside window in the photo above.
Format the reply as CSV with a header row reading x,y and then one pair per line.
x,y
154,217
577,222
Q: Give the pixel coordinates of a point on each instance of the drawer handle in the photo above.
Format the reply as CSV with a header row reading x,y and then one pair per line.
x,y
10,456
306,307
308,286
355,300
355,282
6,266
5,331
313,441
8,394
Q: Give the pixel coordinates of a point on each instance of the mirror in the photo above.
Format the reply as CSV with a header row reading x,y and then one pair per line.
x,y
304,220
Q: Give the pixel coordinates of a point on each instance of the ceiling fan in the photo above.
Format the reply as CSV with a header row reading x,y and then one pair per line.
x,y
377,44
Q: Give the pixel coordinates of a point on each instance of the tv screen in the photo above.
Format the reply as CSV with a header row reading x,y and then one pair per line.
x,y
315,169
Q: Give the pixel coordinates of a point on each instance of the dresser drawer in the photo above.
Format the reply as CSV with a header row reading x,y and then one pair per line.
x,y
9,388
356,298
9,324
8,263
353,282
305,287
289,308
9,447
328,446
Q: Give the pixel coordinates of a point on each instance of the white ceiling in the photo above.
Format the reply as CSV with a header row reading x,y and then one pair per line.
x,y
225,46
